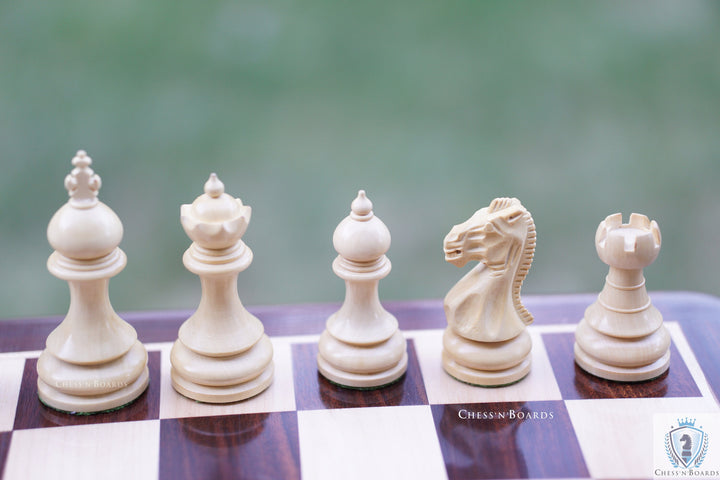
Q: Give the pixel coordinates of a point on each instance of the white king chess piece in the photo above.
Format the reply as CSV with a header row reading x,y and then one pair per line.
x,y
486,341
222,353
361,346
93,360
622,336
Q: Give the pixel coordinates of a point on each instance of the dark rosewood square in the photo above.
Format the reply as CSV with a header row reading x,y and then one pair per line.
x,y
314,392
508,440
575,383
31,413
252,446
4,446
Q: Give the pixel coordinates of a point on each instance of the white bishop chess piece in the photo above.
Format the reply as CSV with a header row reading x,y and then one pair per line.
x,y
622,336
93,360
361,346
222,353
486,341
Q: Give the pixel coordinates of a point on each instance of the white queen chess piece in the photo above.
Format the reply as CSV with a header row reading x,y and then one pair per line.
x,y
222,353
93,360
622,336
361,346
486,342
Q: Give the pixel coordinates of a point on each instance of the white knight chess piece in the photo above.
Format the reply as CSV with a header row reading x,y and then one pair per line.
x,y
486,342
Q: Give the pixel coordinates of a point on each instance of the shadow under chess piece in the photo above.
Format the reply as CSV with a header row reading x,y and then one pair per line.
x,y
222,353
486,342
622,336
361,346
93,361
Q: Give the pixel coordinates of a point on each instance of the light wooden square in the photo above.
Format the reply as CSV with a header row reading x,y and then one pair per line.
x,y
279,396
441,388
11,374
372,442
616,434
103,450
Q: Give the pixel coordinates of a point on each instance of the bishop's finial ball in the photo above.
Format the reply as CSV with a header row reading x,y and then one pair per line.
x,y
361,236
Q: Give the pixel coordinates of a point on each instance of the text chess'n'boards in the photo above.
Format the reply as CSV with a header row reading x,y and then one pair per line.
x,y
559,422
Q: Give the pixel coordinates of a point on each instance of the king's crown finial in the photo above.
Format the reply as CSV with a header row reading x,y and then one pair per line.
x,y
82,183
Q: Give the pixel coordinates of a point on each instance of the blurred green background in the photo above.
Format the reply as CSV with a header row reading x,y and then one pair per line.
x,y
580,109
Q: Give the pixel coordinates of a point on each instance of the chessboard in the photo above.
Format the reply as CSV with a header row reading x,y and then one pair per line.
x,y
559,422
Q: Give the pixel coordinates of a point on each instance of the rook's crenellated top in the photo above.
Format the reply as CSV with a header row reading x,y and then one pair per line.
x,y
631,245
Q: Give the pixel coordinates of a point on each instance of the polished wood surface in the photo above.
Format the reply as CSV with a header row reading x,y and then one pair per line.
x,y
427,425
498,448
313,391
30,414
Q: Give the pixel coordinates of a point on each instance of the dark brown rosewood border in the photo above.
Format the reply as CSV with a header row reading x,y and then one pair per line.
x,y
22,334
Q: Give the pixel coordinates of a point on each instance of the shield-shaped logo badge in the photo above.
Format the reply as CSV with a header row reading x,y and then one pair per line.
x,y
686,443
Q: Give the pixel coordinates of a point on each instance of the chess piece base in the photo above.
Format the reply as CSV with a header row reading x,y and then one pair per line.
x,y
617,373
362,380
486,364
223,394
621,374
486,378
94,403
222,379
622,359
221,371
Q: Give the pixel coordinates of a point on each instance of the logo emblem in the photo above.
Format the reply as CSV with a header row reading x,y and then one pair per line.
x,y
686,445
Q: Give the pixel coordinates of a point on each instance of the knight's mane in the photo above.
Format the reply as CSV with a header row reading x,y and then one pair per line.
x,y
527,255
503,203
522,271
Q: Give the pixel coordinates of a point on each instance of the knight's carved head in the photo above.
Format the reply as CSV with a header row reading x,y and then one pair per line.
x,y
492,235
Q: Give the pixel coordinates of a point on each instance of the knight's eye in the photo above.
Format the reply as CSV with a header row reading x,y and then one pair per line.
x,y
514,217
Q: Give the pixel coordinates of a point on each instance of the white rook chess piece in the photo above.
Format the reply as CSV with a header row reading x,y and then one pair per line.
x,y
222,353
361,346
486,342
93,360
622,336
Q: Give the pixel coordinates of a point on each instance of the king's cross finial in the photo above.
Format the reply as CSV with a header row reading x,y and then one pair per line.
x,y
82,183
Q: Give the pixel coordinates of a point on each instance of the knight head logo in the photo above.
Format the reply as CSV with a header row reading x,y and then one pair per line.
x,y
686,445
